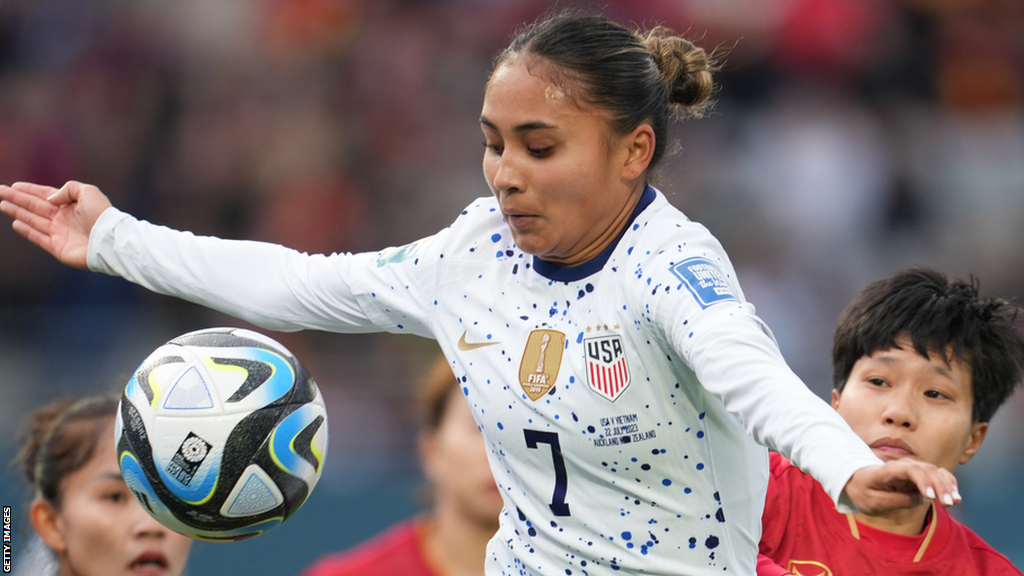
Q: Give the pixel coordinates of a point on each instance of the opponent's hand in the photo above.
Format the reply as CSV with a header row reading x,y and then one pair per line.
x,y
58,221
899,484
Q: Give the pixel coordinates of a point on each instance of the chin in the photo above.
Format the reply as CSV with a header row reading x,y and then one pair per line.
x,y
525,245
530,243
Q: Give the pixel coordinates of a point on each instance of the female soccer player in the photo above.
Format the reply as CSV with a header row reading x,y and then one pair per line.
x,y
920,364
624,386
82,509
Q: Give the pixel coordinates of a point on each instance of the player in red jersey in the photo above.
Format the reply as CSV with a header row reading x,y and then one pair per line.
x,y
451,539
86,520
920,365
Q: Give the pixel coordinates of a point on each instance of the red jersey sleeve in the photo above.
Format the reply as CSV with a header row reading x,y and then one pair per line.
x,y
775,519
767,567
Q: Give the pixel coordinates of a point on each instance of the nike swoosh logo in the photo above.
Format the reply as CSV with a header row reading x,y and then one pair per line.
x,y
463,345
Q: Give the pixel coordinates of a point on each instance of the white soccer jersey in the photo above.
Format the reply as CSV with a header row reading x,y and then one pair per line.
x,y
620,399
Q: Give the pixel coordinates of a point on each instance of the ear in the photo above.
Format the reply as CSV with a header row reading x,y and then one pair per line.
x,y
639,150
48,524
835,399
427,444
978,431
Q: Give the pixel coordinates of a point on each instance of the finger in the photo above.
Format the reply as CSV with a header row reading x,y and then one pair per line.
x,y
25,217
921,480
34,236
18,197
887,501
38,190
946,487
935,483
955,486
68,193
16,200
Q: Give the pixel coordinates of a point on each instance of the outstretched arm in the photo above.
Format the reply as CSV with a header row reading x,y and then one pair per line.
x,y
57,220
267,284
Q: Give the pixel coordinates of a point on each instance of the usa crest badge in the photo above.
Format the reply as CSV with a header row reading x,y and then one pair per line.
x,y
541,362
607,370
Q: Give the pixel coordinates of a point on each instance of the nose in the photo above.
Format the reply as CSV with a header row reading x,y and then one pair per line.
x,y
900,410
507,177
145,525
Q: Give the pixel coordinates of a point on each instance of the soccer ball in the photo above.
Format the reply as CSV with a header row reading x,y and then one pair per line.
x,y
221,434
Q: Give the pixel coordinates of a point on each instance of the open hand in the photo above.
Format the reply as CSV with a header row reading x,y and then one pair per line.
x,y
58,221
899,484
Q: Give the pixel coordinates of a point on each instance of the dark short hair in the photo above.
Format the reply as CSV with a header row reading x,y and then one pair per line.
x,y
939,316
636,76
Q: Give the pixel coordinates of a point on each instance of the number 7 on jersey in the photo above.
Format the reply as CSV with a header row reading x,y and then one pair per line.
x,y
533,438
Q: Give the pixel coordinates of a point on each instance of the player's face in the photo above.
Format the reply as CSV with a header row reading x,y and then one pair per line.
x,y
907,406
104,531
554,165
455,460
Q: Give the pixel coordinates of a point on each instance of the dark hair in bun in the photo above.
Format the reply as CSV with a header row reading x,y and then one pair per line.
x,y
637,77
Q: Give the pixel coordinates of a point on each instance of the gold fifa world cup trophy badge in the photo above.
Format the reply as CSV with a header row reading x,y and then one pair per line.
x,y
541,362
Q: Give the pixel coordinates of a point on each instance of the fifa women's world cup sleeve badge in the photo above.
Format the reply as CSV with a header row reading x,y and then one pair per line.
x,y
705,281
541,362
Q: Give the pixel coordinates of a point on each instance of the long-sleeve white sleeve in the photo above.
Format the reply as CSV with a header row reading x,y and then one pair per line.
x,y
738,361
266,284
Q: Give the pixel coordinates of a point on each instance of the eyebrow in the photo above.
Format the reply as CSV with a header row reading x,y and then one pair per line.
x,y
940,370
520,128
108,476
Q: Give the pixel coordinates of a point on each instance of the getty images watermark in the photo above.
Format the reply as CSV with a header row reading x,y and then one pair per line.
x,y
7,539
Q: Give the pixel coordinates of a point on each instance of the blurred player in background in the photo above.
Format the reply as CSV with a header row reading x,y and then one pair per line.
x,y
624,386
920,366
82,509
451,538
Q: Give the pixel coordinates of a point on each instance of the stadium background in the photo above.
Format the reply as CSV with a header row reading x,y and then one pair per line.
x,y
850,138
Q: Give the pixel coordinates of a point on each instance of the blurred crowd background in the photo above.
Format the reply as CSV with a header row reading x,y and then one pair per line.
x,y
849,138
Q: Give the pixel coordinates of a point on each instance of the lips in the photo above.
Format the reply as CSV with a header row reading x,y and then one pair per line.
x,y
518,220
512,212
150,562
893,447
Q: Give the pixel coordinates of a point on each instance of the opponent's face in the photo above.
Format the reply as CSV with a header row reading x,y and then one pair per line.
x,y
559,173
907,406
455,460
101,530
